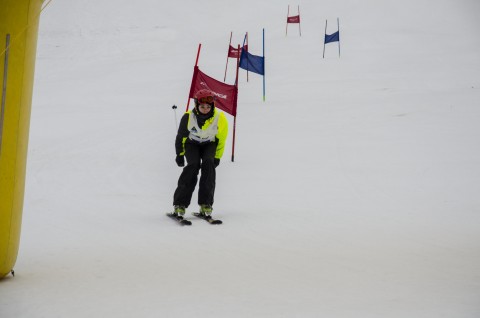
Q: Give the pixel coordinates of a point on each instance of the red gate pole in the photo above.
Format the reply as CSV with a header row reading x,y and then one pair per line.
x,y
235,117
228,53
286,27
196,63
299,20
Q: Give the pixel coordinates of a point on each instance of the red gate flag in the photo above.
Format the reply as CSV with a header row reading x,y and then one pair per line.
x,y
295,19
234,52
226,95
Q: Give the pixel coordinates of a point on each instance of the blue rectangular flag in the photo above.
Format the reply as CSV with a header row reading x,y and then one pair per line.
x,y
335,37
252,62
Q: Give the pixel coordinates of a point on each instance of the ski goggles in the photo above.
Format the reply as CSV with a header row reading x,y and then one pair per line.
x,y
206,100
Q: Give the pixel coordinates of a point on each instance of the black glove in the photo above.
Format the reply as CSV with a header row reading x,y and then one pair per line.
x,y
216,162
180,160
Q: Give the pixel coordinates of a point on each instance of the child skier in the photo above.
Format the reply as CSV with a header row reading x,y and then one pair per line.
x,y
201,139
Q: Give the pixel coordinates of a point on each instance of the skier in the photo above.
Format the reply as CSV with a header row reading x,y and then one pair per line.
x,y
201,139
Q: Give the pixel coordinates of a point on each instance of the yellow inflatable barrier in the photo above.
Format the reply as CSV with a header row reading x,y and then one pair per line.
x,y
18,43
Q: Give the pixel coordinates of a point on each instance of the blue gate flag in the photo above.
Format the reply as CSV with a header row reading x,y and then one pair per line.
x,y
335,37
252,62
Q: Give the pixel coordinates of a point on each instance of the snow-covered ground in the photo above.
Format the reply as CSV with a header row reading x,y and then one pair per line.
x,y
355,187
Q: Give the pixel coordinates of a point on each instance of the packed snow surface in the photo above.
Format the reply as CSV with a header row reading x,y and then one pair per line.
x,y
355,186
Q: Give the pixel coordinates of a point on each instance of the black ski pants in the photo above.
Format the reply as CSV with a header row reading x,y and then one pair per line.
x,y
200,157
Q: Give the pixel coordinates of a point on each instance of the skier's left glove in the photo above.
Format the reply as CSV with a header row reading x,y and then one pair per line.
x,y
216,162
180,160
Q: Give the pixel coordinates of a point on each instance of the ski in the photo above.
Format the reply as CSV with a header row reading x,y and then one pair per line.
x,y
179,219
207,218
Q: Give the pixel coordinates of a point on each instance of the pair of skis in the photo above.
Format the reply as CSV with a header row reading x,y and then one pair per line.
x,y
183,221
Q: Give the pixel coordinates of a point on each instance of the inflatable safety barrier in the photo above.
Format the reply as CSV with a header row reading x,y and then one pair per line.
x,y
18,41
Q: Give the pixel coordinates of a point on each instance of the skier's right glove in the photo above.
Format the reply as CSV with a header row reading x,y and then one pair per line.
x,y
180,160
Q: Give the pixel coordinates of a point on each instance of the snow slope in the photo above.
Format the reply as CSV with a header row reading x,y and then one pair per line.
x,y
354,191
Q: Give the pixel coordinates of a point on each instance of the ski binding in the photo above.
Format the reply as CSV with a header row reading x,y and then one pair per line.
x,y
207,218
179,219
